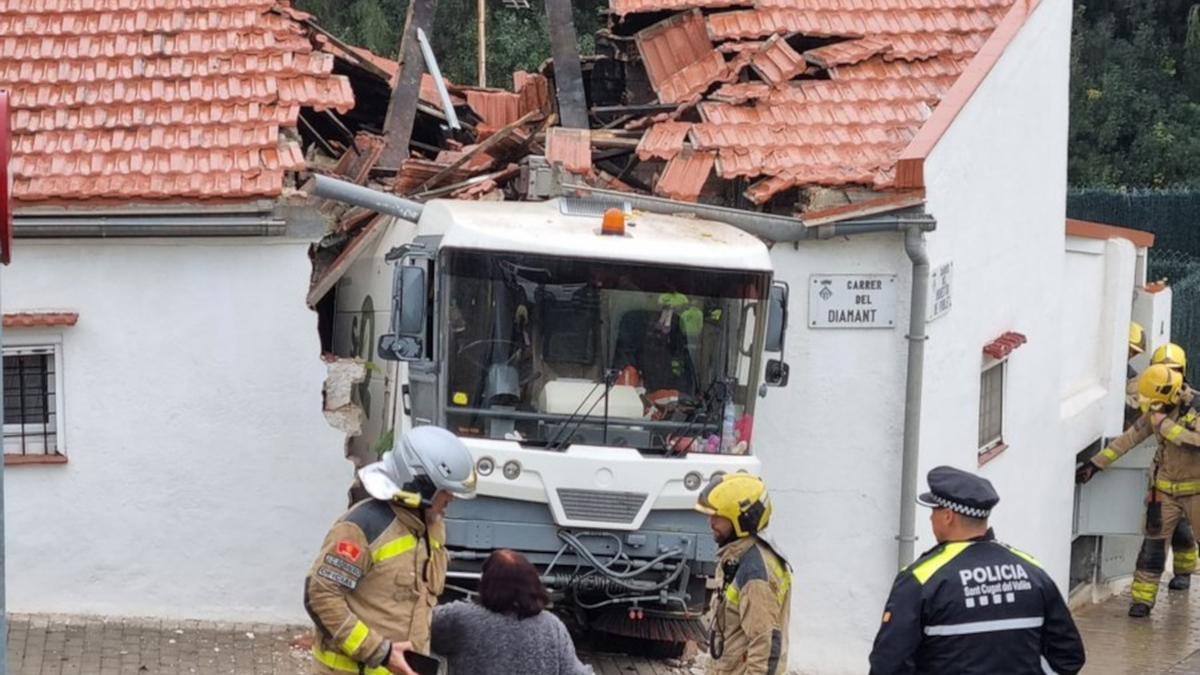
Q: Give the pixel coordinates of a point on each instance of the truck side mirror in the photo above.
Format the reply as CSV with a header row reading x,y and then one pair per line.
x,y
777,315
777,371
406,342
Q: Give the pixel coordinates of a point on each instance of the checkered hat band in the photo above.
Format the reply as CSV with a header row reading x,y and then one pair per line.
x,y
969,511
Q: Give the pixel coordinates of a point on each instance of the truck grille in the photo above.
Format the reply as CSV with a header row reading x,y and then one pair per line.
x,y
601,505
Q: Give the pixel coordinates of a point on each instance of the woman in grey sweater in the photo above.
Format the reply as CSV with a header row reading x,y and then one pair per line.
x,y
508,631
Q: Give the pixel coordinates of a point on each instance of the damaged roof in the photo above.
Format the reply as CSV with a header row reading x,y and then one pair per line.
x,y
800,93
139,100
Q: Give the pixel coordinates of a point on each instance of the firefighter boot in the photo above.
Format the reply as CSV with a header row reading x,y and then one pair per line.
x,y
1181,582
1139,610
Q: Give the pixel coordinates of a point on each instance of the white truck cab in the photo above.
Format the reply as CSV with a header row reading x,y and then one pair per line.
x,y
602,367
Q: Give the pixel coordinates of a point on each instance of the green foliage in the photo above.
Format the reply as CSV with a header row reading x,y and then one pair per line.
x,y
384,442
517,39
1135,94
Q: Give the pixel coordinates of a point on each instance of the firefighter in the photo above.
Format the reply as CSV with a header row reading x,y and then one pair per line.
x,y
1137,345
1175,479
748,624
1183,539
971,605
372,588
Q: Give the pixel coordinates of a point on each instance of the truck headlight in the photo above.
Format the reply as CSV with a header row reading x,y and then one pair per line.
x,y
693,480
512,469
485,466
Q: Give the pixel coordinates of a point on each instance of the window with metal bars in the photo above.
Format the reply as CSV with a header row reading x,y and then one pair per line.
x,y
31,400
991,406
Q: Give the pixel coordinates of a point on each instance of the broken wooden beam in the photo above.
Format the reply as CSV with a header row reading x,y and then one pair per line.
x,y
402,108
487,144
568,73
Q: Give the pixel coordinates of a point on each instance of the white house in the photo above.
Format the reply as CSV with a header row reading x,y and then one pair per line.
x,y
181,450
1026,315
165,448
1025,368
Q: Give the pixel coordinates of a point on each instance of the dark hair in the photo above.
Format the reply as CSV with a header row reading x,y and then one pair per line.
x,y
510,585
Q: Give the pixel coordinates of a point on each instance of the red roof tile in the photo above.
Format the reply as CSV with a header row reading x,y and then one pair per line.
x,y
496,108
685,175
848,52
534,90
570,147
679,58
876,84
158,99
777,62
757,23
623,7
40,319
663,140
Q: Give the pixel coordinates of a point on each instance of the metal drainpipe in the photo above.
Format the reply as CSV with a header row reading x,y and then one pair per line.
x,y
914,246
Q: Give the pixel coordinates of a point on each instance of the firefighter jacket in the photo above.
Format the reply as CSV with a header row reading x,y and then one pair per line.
x,y
375,581
1177,463
748,627
975,607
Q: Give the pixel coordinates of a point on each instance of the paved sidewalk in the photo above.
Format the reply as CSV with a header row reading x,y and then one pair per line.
x,y
70,645
1167,642
66,645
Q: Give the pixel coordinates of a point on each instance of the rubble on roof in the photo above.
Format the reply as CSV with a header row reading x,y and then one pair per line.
x,y
790,106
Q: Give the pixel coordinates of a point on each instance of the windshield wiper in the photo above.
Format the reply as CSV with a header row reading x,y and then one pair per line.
x,y
610,378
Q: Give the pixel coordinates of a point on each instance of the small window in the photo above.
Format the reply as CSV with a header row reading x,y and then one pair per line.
x,y
32,400
991,406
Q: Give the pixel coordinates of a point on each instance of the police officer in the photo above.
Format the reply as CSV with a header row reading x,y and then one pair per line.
x,y
971,605
1175,479
748,625
372,588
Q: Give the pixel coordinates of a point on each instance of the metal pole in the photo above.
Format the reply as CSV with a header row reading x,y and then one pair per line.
x,y
482,8
350,193
5,212
431,65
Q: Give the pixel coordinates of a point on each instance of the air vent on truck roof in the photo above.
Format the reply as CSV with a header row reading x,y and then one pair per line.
x,y
591,206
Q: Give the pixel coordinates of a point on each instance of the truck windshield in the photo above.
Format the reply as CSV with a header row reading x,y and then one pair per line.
x,y
553,351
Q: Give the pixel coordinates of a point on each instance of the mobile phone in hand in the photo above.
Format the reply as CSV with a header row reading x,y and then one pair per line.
x,y
421,664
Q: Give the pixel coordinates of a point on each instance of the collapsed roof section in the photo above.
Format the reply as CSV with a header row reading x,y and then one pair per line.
x,y
792,93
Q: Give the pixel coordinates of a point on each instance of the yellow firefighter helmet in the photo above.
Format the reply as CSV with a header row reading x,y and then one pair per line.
x,y
1159,386
739,497
1137,338
1170,355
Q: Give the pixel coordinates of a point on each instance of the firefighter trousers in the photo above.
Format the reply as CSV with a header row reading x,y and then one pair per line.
x,y
1152,559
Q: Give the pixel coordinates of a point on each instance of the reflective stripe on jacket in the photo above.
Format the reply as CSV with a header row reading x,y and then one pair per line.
x,y
975,608
750,612
376,579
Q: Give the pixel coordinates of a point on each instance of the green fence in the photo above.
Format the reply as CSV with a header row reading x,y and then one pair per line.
x,y
1172,215
1174,218
1182,271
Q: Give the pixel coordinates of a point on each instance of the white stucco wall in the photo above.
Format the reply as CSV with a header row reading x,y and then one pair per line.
x,y
830,446
201,474
997,184
831,442
1098,284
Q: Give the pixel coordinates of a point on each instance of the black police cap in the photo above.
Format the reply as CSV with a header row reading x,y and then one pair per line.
x,y
959,491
